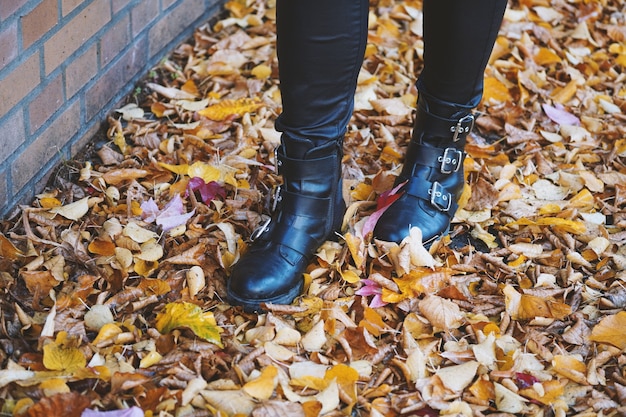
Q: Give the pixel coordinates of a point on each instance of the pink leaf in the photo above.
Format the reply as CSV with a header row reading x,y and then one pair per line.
x,y
172,215
385,200
149,210
560,116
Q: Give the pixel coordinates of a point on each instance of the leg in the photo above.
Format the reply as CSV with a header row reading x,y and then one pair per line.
x,y
458,39
320,48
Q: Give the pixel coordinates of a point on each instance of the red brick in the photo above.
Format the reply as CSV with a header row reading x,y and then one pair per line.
x,y
116,39
82,69
46,103
88,138
45,147
16,85
38,22
75,33
8,45
68,5
173,24
118,5
13,134
8,7
115,78
144,13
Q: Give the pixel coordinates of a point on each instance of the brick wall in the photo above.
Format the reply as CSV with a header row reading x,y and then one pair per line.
x,y
64,65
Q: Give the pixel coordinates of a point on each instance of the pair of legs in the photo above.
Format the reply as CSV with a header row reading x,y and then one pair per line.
x,y
320,46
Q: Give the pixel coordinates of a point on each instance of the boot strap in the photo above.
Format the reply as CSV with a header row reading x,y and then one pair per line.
x,y
447,160
288,233
455,129
304,169
433,192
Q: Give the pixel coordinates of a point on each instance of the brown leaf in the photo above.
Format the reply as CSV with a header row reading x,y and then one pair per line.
x,y
70,404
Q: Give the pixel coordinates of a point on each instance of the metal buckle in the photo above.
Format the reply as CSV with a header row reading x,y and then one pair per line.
x,y
459,129
260,230
440,200
450,160
277,162
276,197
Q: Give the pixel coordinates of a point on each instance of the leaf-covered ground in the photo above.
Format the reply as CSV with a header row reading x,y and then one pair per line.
x,y
113,280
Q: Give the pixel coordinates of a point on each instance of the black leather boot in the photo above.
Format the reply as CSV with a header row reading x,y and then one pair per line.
x,y
309,209
433,172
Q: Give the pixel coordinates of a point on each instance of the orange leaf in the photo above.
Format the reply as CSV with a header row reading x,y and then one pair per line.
x,y
611,330
102,247
546,56
8,250
263,387
495,91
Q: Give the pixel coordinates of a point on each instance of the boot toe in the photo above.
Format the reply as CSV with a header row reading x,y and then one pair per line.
x,y
264,279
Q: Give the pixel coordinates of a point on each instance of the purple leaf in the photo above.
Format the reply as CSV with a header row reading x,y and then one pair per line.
x,y
208,192
149,210
126,412
559,115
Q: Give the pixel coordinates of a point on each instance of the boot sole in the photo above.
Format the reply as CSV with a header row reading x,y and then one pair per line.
x,y
254,305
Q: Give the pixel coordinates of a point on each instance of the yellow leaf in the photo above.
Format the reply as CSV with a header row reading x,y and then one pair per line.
x,y
611,330
107,333
349,276
372,321
495,91
154,286
546,56
356,248
176,169
62,355
54,386
229,108
362,192
120,141
150,359
73,211
202,324
190,87
552,392
263,387
261,71
205,171
570,367
527,307
346,377
145,268
49,202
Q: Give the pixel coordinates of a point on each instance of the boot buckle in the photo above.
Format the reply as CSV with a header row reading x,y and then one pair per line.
x,y
276,197
440,199
451,160
463,127
264,227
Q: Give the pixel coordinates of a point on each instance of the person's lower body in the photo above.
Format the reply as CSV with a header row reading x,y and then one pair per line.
x,y
458,39
320,47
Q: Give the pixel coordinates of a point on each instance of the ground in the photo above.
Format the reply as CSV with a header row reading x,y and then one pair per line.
x,y
113,279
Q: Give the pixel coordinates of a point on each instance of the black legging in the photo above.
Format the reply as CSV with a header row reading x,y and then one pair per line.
x,y
321,43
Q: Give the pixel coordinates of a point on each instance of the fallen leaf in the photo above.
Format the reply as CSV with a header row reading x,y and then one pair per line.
x,y
176,315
